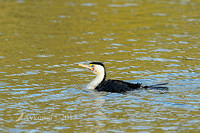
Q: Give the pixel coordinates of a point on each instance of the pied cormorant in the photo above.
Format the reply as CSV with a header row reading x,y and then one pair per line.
x,y
101,84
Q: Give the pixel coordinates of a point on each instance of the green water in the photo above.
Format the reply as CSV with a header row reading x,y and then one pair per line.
x,y
43,89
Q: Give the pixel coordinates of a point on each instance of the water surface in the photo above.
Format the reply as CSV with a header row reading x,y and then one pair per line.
x,y
42,88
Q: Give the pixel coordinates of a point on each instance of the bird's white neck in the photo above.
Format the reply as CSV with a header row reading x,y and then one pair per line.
x,y
100,71
95,82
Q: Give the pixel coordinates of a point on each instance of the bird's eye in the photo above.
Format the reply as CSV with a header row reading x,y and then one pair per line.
x,y
92,66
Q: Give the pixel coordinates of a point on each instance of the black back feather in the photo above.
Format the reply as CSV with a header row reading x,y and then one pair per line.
x,y
117,86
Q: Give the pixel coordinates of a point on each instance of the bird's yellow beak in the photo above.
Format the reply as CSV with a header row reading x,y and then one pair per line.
x,y
82,65
87,66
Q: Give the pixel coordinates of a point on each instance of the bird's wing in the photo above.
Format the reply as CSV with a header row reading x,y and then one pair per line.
x,y
117,86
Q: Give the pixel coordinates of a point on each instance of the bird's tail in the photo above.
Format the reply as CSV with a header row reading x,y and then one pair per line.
x,y
157,86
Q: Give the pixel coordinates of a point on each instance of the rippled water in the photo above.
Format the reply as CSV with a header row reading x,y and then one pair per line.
x,y
42,88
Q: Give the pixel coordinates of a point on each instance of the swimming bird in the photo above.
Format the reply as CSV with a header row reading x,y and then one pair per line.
x,y
101,84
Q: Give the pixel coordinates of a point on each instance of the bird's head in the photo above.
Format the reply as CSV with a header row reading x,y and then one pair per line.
x,y
96,67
